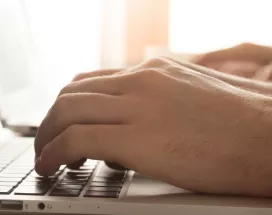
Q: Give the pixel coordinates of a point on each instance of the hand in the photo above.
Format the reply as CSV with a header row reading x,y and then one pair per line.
x,y
163,120
246,60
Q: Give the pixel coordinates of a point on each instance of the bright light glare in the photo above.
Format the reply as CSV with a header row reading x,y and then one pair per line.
x,y
65,36
204,25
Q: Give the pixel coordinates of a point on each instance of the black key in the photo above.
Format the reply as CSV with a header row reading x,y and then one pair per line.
x,y
73,182
10,179
106,179
5,189
104,189
78,172
72,193
107,172
78,177
69,187
101,194
30,190
105,184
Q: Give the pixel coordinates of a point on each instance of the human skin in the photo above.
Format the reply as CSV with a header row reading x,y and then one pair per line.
x,y
165,119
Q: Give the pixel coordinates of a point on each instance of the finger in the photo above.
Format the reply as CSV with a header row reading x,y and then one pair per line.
x,y
243,52
241,68
264,73
111,85
77,164
80,108
99,142
97,73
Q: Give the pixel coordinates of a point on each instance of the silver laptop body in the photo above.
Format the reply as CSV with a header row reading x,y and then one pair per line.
x,y
97,189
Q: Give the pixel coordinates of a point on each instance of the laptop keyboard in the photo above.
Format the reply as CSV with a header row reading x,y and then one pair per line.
x,y
17,177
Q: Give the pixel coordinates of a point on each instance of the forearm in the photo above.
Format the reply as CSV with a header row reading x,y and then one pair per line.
x,y
264,88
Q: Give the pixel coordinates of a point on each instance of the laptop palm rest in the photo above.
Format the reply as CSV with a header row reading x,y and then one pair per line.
x,y
147,190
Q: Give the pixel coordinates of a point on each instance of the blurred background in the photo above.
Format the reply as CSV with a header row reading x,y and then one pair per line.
x,y
45,43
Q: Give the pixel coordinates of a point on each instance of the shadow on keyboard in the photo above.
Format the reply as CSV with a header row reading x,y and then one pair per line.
x,y
17,177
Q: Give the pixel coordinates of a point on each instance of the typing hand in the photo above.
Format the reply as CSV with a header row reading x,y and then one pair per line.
x,y
246,60
160,119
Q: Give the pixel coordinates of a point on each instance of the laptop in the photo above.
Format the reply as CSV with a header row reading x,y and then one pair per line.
x,y
95,188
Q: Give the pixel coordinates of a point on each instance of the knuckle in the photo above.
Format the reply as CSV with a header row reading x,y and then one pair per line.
x,y
66,89
70,138
61,106
147,74
62,102
79,76
155,62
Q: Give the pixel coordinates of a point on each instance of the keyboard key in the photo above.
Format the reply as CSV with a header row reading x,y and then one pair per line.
x,y
15,171
5,189
35,175
22,166
107,172
69,187
77,177
101,194
71,193
78,172
104,189
30,190
7,175
105,184
87,167
62,167
40,179
10,179
37,184
73,182
78,180
106,179
8,183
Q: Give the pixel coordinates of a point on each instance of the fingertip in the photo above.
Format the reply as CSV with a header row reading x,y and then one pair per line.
x,y
44,170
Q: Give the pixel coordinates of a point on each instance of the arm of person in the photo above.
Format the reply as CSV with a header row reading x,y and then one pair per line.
x,y
241,82
166,121
261,87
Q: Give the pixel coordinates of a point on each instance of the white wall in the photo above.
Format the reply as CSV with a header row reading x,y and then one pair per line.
x,y
204,25
14,46
47,42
